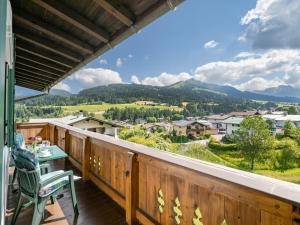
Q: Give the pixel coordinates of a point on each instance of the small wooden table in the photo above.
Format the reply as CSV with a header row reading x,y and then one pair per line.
x,y
56,153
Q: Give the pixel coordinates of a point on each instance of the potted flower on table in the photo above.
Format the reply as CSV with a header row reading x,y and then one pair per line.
x,y
34,141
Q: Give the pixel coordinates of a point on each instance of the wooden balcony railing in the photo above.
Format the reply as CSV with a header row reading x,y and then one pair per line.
x,y
156,187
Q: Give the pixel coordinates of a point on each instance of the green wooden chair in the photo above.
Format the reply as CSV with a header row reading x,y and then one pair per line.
x,y
19,143
37,188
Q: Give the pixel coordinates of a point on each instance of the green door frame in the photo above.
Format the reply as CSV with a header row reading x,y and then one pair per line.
x,y
3,150
11,103
3,15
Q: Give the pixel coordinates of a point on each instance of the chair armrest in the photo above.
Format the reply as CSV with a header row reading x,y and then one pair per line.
x,y
56,177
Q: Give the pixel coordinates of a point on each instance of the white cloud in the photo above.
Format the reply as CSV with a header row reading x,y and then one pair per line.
x,y
103,62
130,56
135,80
91,77
119,62
272,61
211,44
253,68
273,24
259,12
259,84
164,79
62,86
243,55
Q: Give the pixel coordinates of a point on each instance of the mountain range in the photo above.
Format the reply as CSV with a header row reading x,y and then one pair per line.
x,y
189,90
25,92
281,91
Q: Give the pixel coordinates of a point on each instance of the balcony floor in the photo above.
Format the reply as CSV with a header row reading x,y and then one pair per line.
x,y
95,207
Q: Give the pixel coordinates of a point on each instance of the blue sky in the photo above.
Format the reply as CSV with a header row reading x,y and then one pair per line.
x,y
174,42
248,44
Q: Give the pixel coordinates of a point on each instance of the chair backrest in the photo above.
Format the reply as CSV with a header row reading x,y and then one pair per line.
x,y
28,169
19,140
28,182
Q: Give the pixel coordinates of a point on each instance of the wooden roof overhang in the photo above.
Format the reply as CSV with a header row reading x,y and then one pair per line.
x,y
55,38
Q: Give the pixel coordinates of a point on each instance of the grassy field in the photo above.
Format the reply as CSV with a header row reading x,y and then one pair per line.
x,y
235,158
291,175
105,106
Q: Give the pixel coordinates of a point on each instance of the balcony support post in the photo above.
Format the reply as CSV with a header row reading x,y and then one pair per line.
x,y
131,188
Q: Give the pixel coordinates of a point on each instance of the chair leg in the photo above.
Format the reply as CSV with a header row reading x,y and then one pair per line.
x,y
52,199
17,209
13,181
14,176
74,199
39,208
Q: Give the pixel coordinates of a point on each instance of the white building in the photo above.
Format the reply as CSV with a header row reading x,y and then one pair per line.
x,y
232,124
280,120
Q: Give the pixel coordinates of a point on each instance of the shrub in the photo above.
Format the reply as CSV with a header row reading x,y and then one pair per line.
x,y
215,146
151,119
126,133
286,155
228,139
179,139
143,141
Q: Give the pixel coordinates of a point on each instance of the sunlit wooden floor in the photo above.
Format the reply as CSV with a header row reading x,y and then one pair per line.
x,y
95,207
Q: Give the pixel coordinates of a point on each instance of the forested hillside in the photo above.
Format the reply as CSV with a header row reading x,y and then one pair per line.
x,y
207,101
204,98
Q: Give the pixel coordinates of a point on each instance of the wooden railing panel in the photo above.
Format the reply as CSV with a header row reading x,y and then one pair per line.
x,y
100,164
75,148
52,134
32,130
154,189
61,135
183,191
108,163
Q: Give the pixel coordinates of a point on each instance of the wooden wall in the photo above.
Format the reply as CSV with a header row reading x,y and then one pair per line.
x,y
155,191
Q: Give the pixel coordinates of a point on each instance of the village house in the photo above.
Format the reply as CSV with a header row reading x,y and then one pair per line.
x,y
232,124
85,123
217,120
194,128
246,113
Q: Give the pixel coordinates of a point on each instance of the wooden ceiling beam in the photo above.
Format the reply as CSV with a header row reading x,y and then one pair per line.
x,y
46,44
74,18
50,30
37,67
20,78
32,75
117,10
27,56
29,85
48,77
45,54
